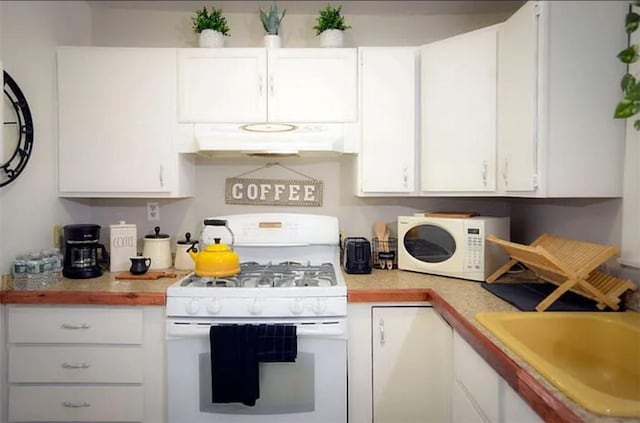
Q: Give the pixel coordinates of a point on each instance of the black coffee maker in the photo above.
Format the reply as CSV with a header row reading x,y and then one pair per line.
x,y
81,246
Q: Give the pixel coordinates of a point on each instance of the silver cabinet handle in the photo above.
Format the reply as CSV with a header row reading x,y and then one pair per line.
x,y
75,366
505,169
271,84
69,404
381,326
484,172
405,176
260,84
75,326
161,176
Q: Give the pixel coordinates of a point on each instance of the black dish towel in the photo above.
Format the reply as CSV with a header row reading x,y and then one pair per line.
x,y
234,364
277,343
236,351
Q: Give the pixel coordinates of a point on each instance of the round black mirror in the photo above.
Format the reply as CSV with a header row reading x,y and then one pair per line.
x,y
17,136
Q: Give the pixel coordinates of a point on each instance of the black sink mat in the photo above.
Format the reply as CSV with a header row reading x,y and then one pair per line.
x,y
526,296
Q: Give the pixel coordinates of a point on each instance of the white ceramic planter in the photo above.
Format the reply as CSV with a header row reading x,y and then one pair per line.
x,y
211,38
332,38
272,41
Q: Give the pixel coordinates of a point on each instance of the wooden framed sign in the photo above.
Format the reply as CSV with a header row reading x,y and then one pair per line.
x,y
273,192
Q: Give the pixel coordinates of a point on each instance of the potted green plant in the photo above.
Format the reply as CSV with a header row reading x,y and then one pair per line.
x,y
211,26
271,24
630,103
330,26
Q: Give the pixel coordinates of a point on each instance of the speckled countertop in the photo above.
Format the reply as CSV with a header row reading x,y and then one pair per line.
x,y
457,300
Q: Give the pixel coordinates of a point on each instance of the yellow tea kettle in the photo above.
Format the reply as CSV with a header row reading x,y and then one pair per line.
x,y
216,260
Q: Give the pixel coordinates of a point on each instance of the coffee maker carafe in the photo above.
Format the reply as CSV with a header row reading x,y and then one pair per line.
x,y
81,259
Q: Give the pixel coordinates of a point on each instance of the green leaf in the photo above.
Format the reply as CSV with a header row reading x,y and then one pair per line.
x,y
633,93
627,82
629,54
631,22
626,108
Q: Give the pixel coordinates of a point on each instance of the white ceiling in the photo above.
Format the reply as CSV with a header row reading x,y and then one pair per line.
x,y
393,7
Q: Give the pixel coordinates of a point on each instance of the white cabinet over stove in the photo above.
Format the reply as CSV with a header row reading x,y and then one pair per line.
x,y
252,85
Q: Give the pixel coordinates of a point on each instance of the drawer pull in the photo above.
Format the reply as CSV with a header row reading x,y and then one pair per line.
x,y
75,366
75,326
69,404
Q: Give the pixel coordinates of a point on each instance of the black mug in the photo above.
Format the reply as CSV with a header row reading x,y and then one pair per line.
x,y
139,265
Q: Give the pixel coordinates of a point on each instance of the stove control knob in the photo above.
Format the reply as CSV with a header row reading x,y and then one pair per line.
x,y
319,306
193,307
214,306
297,307
255,307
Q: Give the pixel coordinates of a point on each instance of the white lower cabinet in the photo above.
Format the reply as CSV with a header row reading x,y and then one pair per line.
x,y
399,364
480,394
85,363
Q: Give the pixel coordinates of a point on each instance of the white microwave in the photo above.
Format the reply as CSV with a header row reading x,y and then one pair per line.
x,y
449,246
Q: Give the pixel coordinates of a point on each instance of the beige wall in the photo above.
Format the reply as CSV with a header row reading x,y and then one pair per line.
x,y
161,28
29,207
30,33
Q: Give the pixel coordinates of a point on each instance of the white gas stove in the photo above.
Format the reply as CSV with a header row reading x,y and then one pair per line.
x,y
289,268
290,277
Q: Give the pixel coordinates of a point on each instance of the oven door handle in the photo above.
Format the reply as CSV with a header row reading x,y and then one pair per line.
x,y
338,330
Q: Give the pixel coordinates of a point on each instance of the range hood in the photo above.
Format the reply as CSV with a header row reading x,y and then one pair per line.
x,y
276,139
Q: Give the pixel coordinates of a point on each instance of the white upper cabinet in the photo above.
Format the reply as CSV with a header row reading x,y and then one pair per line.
x,y
117,124
386,163
258,85
222,85
312,85
517,97
458,79
558,87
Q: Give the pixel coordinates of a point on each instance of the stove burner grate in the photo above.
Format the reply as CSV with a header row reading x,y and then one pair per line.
x,y
282,275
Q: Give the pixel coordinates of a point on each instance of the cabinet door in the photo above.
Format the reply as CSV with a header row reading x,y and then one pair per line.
x,y
411,365
222,85
458,116
117,118
477,378
312,85
517,100
388,119
462,406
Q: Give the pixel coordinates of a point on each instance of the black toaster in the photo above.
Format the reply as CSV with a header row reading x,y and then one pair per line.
x,y
357,255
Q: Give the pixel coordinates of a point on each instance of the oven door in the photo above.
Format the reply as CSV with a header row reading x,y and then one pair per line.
x,y
311,389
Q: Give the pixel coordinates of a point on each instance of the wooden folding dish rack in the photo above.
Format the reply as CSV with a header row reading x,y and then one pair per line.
x,y
569,264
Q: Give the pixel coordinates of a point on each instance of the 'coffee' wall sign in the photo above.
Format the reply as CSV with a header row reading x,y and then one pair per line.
x,y
274,192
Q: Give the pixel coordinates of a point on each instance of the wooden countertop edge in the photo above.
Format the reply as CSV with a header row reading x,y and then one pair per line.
x,y
83,297
533,392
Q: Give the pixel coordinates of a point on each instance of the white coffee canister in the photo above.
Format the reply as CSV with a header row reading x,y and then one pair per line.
x,y
183,259
157,247
122,245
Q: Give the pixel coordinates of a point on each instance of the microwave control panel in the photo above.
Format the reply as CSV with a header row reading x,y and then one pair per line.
x,y
474,240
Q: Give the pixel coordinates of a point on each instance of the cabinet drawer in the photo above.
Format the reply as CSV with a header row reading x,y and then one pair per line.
x,y
75,364
87,325
75,403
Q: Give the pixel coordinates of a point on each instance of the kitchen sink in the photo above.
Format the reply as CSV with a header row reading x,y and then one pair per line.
x,y
592,357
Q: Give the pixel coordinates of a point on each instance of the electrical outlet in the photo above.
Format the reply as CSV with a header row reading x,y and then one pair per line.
x,y
58,233
153,212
